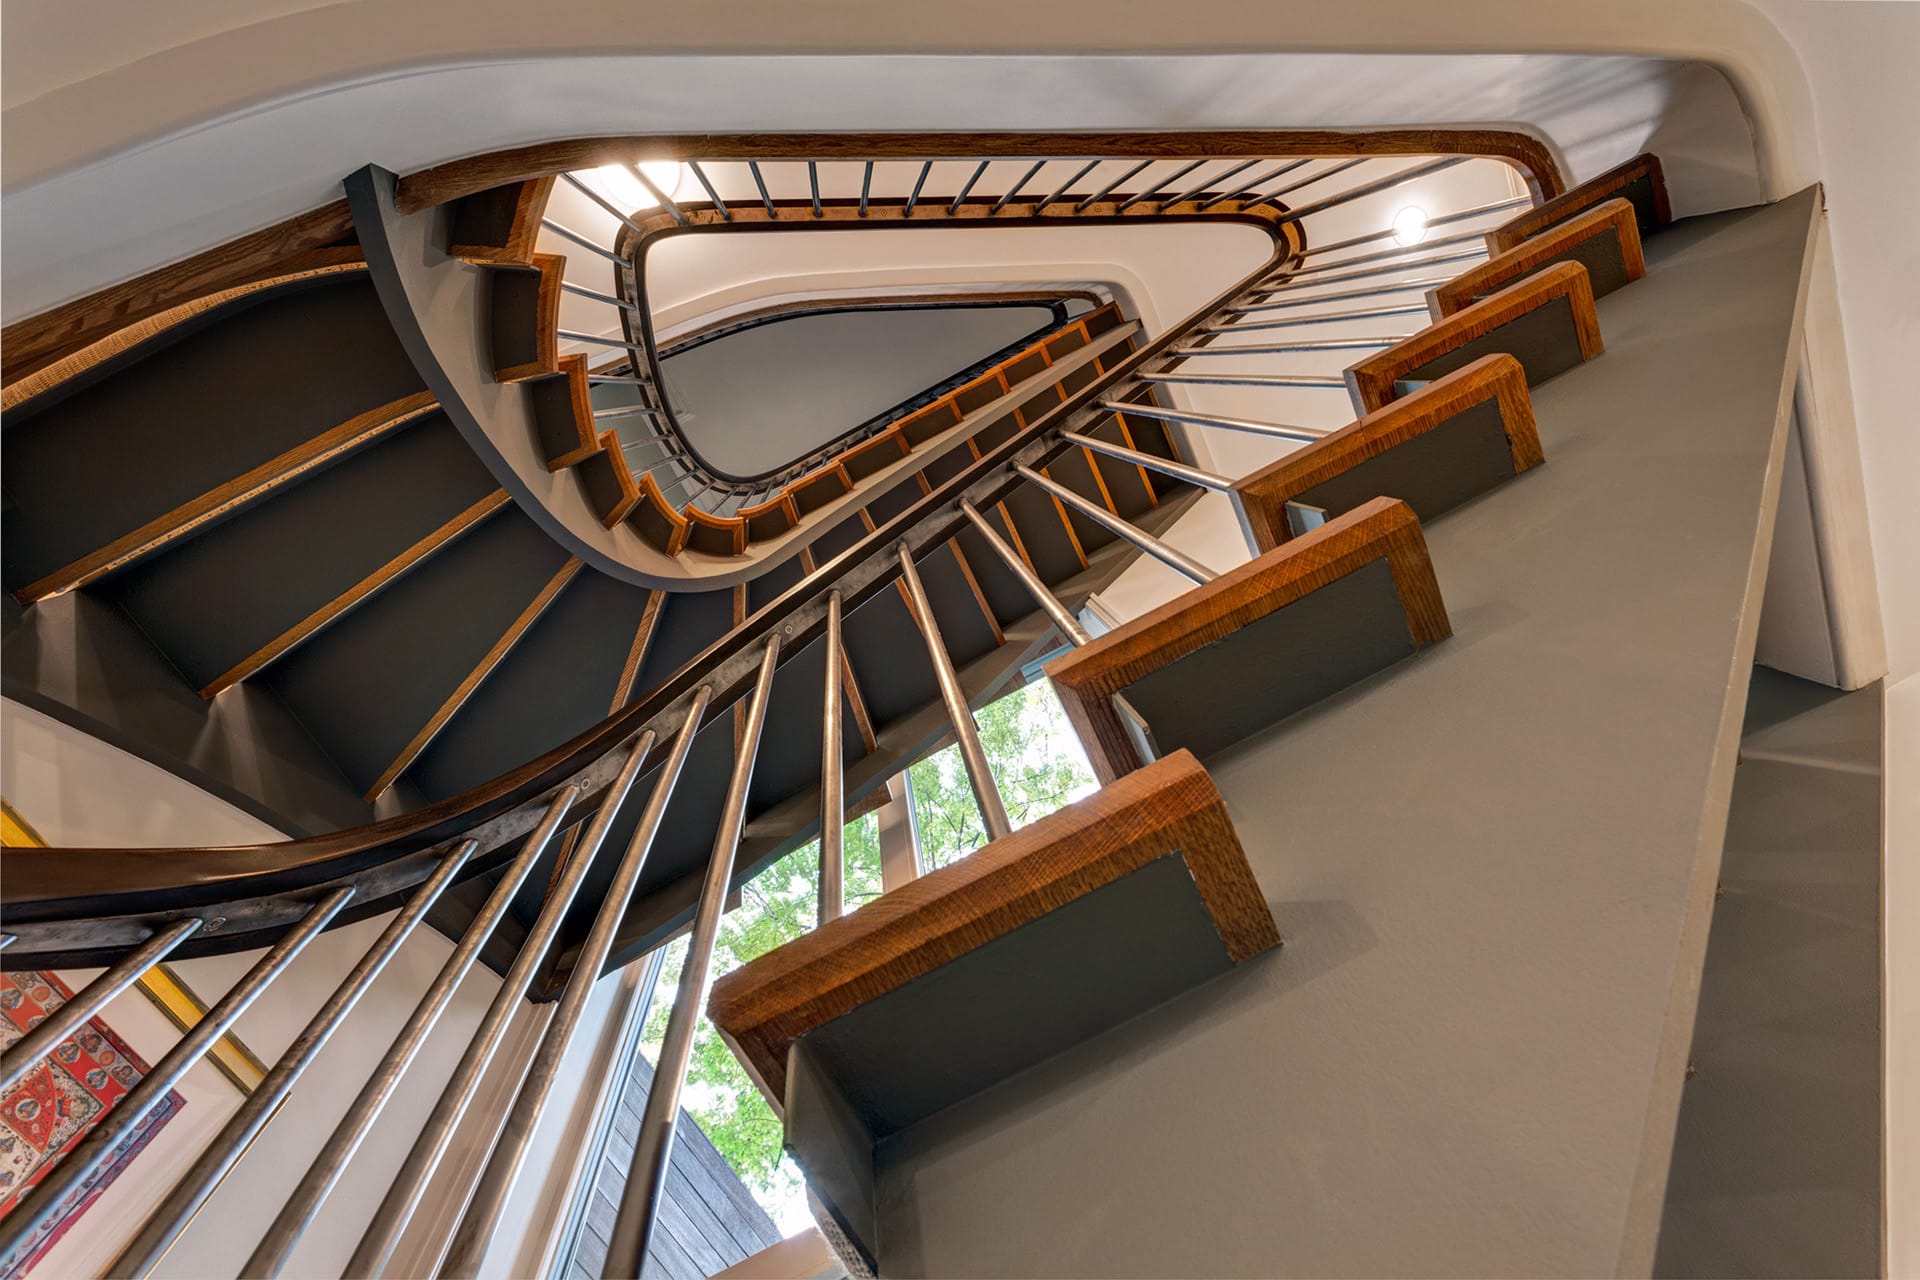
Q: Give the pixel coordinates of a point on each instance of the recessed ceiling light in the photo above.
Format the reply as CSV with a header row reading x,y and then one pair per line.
x,y
1410,225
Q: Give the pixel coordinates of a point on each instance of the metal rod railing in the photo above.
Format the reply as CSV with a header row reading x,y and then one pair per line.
x,y
925,169
598,296
1017,564
1147,192
489,1199
986,793
1191,192
1245,380
753,167
1371,188
1084,170
1152,461
1255,185
1287,303
833,778
666,202
1103,192
967,189
1373,237
603,202
278,1242
585,242
813,184
1411,264
167,1221
1014,190
719,205
1192,418
1139,537
82,1162
1232,325
89,1000
1288,348
653,1148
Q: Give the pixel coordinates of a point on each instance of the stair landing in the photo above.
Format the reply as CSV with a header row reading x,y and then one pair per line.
x,y
1493,864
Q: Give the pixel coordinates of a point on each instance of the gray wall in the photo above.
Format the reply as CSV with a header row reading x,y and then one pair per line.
x,y
1493,865
753,401
1776,1164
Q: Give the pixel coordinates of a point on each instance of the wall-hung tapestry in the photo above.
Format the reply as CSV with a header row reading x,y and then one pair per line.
x,y
58,1103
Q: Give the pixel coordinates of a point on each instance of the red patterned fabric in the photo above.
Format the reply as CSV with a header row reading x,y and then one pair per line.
x,y
50,1111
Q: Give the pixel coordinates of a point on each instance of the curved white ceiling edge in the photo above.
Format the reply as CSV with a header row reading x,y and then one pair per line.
x,y
191,62
69,232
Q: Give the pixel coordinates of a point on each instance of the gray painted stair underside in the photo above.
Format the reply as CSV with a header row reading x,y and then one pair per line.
x,y
1493,865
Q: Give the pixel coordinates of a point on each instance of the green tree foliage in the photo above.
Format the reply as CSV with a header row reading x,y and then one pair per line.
x,y
1039,766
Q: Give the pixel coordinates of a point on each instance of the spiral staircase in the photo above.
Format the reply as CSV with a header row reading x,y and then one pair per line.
x,y
355,526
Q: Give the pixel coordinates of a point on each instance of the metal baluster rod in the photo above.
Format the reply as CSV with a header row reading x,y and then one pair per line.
x,y
1042,594
1289,303
1444,220
1139,537
1377,185
81,1163
1246,380
833,778
1308,181
926,168
672,209
966,190
1085,169
604,203
89,1000
167,1221
1175,176
1398,251
598,296
377,1243
1190,417
813,184
1238,193
572,336
1014,190
1153,462
1289,348
1296,280
1105,191
653,1148
753,167
866,187
585,242
1191,192
1326,317
489,1200
719,205
986,792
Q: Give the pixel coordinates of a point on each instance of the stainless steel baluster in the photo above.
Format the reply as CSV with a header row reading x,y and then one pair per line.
x,y
647,1175
1042,594
89,1000
324,1171
986,792
167,1221
84,1160
1165,466
1139,537
833,780
477,1224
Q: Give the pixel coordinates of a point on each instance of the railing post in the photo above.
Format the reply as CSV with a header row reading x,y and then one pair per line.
x,y
1139,537
833,789
1041,593
647,1175
477,1225
79,1164
167,1221
986,793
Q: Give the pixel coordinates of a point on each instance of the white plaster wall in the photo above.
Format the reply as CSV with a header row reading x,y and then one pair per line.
x,y
79,791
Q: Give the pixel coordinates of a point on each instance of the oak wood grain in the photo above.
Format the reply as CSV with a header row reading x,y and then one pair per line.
x,y
715,535
1528,223
583,441
545,320
1613,218
367,586
242,489
117,341
657,520
610,487
502,224
1370,382
1088,677
1263,495
1171,805
301,243
473,679
637,651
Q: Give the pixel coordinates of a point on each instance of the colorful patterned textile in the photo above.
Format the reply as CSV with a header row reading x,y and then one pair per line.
x,y
50,1111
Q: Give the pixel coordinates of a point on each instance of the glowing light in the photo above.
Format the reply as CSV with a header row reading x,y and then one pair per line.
x,y
617,183
1410,225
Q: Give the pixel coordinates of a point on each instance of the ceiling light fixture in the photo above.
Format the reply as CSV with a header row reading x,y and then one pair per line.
x,y
1410,225
621,189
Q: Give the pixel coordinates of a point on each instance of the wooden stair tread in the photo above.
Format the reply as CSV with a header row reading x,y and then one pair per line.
x,y
1546,320
1365,595
1339,471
